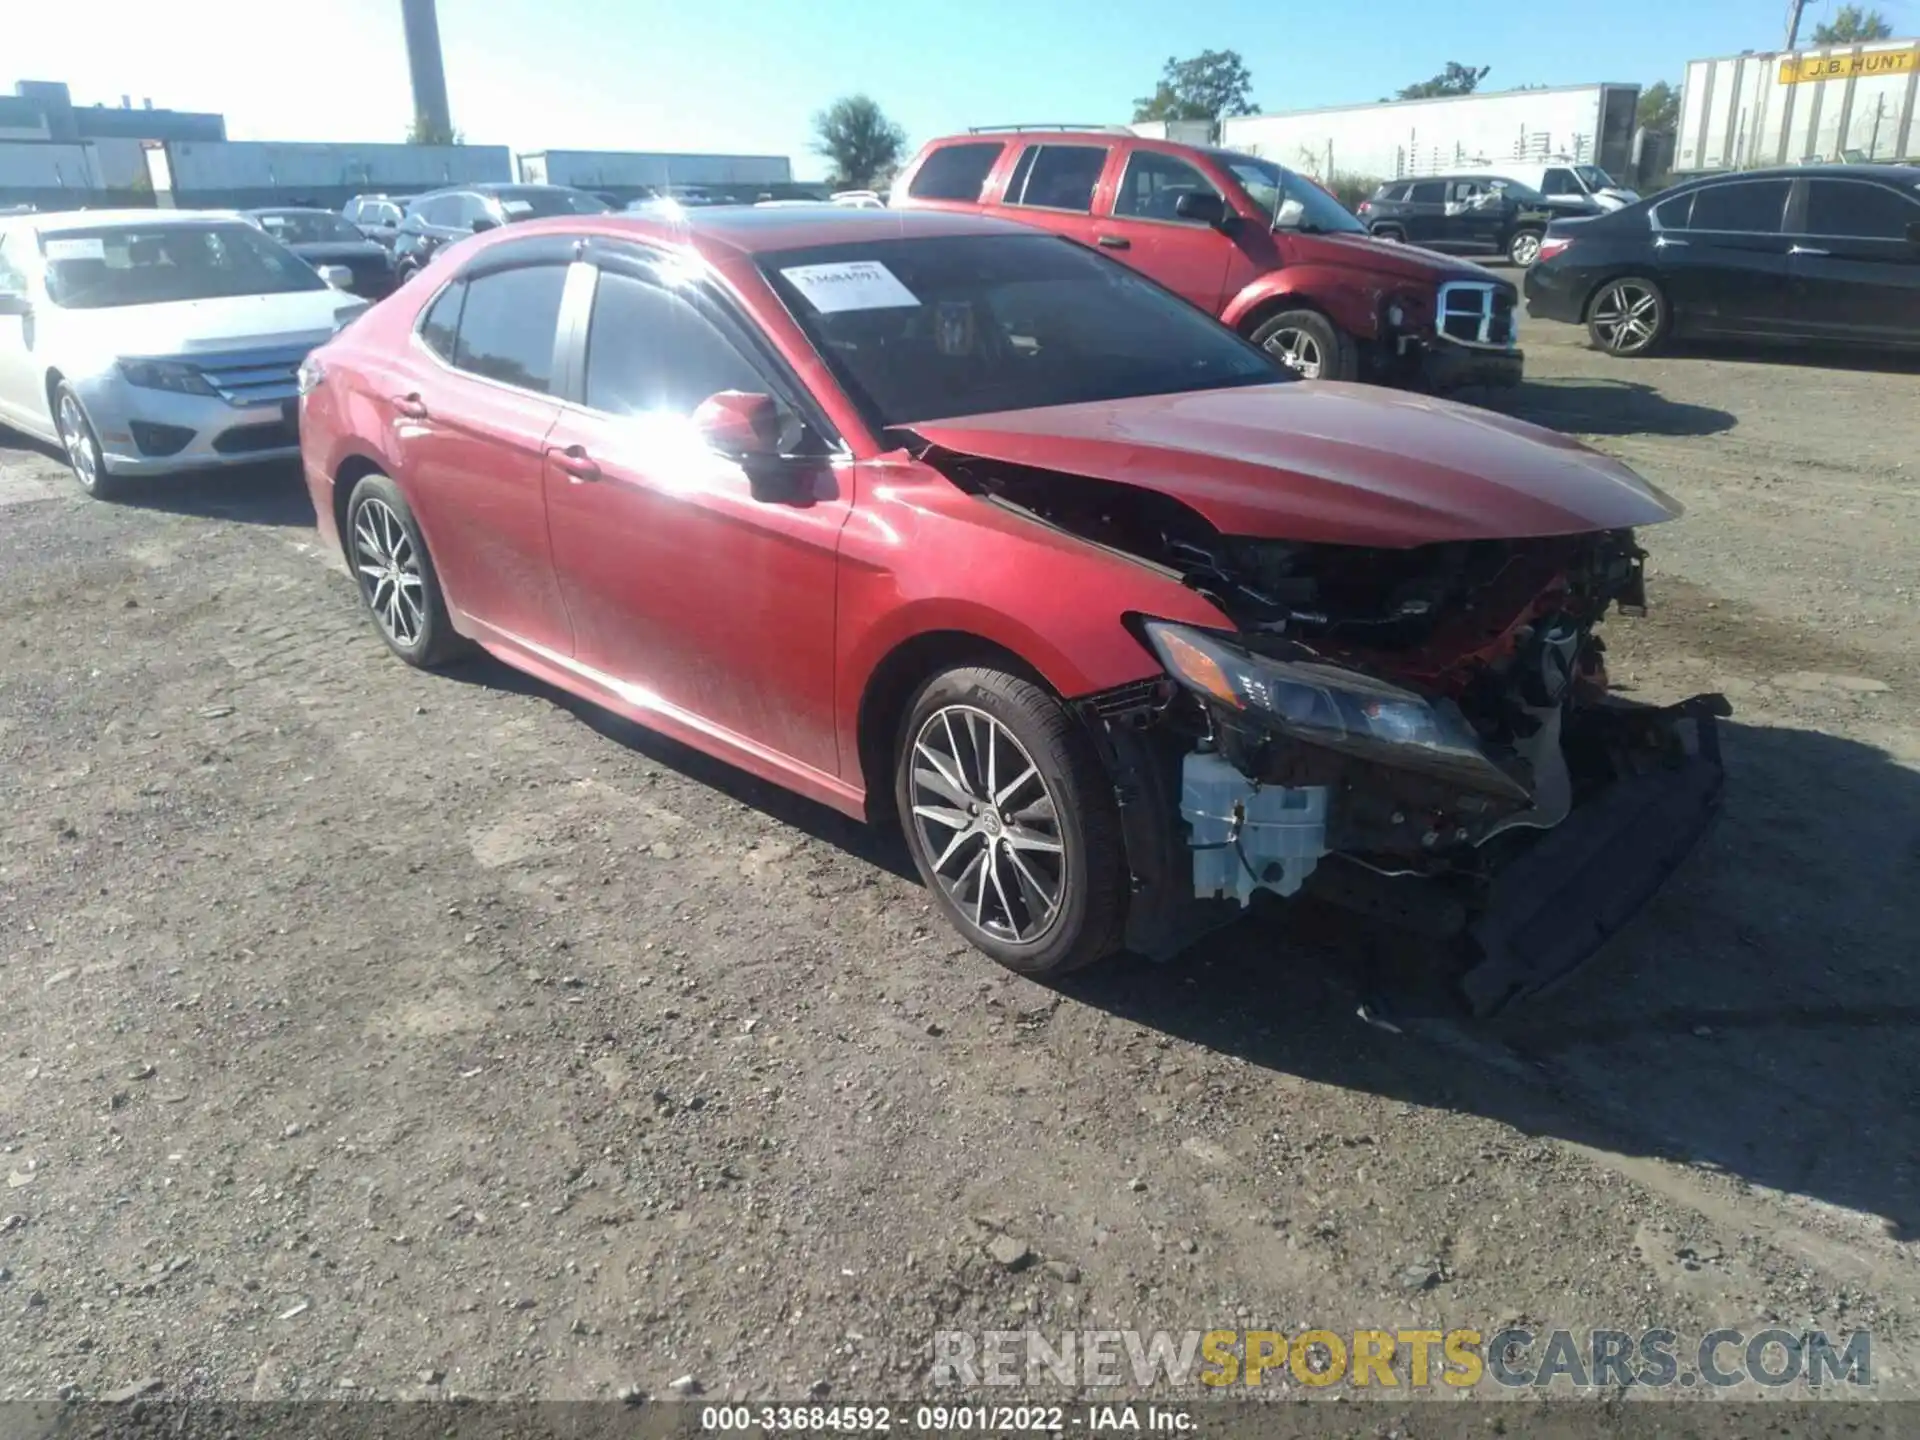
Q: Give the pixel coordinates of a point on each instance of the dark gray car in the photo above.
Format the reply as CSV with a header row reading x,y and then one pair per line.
x,y
321,237
440,217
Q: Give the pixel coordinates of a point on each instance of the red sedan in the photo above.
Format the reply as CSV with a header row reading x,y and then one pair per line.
x,y
938,519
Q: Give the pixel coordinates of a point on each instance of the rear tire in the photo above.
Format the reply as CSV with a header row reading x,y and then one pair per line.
x,y
1524,248
1629,316
1011,821
1310,345
398,584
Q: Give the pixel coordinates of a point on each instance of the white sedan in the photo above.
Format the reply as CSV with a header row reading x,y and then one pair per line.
x,y
151,342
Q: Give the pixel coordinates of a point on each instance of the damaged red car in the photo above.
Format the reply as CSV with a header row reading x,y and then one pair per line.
x,y
944,522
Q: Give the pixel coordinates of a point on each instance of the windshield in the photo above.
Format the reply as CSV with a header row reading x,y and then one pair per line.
x,y
100,269
527,202
1594,178
971,324
1267,185
308,227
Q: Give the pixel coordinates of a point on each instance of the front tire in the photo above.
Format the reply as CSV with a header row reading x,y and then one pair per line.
x,y
1011,821
1629,317
397,581
1309,344
82,445
1524,248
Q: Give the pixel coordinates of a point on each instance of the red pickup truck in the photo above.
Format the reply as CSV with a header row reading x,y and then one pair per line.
x,y
1269,252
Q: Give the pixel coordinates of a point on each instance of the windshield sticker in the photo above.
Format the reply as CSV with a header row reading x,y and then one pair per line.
x,y
90,247
517,207
854,285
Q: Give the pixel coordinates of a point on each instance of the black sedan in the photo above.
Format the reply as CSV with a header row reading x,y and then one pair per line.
x,y
1825,253
321,237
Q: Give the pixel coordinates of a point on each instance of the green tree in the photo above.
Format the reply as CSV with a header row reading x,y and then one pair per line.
x,y
1659,107
1211,84
1852,23
1456,79
864,146
424,132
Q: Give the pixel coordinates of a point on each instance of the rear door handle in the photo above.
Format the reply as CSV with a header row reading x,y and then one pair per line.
x,y
1667,242
411,406
1806,250
579,465
1115,242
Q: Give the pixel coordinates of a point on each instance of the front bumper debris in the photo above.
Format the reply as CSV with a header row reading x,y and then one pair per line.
x,y
1558,903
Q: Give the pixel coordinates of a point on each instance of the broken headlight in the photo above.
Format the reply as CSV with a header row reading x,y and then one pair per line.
x,y
1330,706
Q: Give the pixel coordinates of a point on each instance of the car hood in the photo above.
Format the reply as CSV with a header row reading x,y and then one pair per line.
x,y
1328,463
1403,262
184,327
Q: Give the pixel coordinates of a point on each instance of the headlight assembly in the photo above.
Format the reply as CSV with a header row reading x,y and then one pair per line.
x,y
171,375
1330,706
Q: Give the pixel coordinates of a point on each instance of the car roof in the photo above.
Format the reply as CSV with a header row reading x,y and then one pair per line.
x,y
290,210
754,229
58,221
1894,174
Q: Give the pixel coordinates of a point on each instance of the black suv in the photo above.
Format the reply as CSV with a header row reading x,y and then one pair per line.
x,y
1465,214
440,217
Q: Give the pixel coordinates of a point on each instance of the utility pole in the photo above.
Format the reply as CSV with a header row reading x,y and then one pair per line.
x,y
1795,8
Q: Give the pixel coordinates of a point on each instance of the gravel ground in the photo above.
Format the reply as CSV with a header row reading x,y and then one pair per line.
x,y
373,1033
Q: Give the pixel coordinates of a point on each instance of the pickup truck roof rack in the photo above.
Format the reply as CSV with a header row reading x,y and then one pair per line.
x,y
1001,129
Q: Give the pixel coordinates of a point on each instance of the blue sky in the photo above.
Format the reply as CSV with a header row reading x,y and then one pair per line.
x,y
748,75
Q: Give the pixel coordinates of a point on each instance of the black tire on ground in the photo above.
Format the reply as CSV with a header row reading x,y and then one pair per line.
x,y
1295,337
1069,801
1629,316
1523,248
82,446
398,584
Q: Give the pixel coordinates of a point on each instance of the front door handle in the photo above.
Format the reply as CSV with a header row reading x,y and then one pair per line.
x,y
1806,250
1114,242
579,465
411,406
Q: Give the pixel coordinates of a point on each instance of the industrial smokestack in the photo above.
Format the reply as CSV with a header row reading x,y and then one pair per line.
x,y
429,75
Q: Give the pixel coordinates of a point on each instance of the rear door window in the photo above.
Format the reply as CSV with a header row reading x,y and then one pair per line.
x,y
1058,177
1858,210
1560,181
508,323
440,329
1428,192
955,172
1152,187
1745,207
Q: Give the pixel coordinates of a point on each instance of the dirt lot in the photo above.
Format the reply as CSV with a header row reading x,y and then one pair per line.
x,y
375,1033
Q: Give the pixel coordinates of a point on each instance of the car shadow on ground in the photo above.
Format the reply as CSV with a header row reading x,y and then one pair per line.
x,y
269,494
877,845
1605,407
1799,356
1761,1018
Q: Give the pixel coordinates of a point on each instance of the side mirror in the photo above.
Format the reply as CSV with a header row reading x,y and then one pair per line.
x,y
738,425
12,302
483,223
338,276
1201,205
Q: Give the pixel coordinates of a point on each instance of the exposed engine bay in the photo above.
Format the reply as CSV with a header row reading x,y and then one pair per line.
x,y
1393,730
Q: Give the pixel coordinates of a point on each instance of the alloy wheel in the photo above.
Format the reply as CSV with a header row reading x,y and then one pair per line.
x,y
77,440
1298,351
1626,317
1524,250
388,567
988,825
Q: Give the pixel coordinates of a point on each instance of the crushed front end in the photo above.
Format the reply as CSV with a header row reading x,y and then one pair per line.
x,y
1425,735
